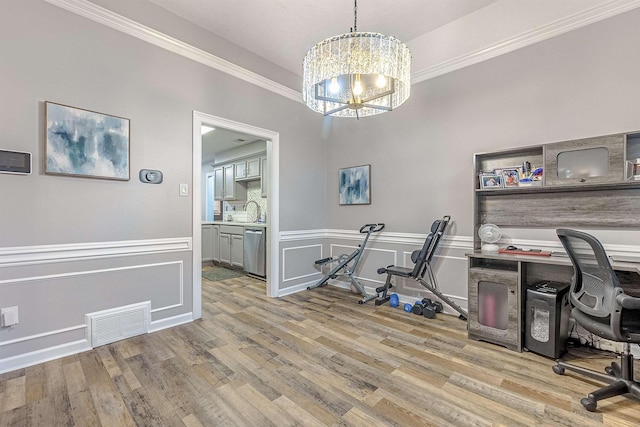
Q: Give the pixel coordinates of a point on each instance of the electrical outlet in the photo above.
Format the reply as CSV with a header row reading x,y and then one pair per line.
x,y
9,316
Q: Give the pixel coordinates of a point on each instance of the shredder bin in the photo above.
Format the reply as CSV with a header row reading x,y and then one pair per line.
x,y
547,318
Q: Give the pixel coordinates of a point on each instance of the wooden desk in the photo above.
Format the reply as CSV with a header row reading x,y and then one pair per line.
x,y
501,280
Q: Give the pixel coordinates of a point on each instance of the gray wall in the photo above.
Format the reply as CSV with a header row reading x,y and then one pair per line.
x,y
59,260
580,84
57,232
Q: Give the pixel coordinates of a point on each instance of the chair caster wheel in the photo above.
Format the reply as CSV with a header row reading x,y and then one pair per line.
x,y
609,370
558,369
589,405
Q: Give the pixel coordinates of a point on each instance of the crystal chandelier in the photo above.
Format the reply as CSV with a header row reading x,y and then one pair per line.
x,y
356,74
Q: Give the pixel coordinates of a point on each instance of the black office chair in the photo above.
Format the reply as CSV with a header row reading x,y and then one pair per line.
x,y
601,307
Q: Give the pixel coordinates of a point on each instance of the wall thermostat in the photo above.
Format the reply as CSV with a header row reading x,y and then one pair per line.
x,y
150,176
18,162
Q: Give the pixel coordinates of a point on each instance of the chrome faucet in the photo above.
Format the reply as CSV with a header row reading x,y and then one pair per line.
x,y
257,208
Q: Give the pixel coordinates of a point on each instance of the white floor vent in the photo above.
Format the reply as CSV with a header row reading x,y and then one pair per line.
x,y
118,323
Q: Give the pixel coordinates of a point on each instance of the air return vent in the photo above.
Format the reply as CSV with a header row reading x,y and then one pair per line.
x,y
118,323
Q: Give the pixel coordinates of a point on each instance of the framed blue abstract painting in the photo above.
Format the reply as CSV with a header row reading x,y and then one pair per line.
x,y
86,144
354,185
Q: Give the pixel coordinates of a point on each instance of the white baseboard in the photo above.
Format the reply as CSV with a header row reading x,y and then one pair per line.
x,y
170,322
295,289
46,354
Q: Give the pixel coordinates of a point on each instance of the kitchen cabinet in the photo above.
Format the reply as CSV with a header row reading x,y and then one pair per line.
x,y
218,183
237,250
229,182
215,239
225,248
264,176
246,170
232,245
207,242
225,186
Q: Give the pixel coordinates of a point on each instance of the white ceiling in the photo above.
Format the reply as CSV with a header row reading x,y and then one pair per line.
x,y
219,140
442,35
436,31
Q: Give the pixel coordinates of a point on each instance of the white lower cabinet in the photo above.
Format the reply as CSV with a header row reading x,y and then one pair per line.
x,y
232,245
225,248
215,238
207,242
237,250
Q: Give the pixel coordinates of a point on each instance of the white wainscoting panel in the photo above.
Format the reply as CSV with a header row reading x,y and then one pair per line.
x,y
71,280
298,262
370,261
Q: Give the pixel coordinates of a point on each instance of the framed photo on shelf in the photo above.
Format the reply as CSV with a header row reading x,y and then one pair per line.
x,y
85,143
510,177
489,181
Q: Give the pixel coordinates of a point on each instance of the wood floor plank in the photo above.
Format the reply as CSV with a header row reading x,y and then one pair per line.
x,y
408,413
266,407
74,376
315,358
35,384
14,394
83,410
109,406
302,417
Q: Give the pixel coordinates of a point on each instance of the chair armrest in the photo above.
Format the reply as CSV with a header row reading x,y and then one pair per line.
x,y
628,302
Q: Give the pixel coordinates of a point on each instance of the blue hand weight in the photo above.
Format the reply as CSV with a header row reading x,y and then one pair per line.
x,y
394,301
408,307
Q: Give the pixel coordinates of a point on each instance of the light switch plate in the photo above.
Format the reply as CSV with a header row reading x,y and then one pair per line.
x,y
184,190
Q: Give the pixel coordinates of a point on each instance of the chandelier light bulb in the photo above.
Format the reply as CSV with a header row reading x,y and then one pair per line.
x,y
357,87
381,81
334,87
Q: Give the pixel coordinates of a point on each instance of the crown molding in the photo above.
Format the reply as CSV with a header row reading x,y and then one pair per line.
x,y
561,26
128,26
120,23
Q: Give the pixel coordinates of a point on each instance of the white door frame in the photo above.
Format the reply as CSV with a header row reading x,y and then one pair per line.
x,y
273,226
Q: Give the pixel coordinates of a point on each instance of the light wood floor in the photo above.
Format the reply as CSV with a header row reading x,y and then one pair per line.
x,y
316,358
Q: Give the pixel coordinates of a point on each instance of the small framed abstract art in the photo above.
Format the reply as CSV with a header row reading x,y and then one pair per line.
x,y
84,143
354,185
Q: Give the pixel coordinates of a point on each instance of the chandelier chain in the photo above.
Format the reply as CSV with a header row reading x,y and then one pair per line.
x,y
355,16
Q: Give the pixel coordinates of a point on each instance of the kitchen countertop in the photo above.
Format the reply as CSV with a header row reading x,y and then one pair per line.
x,y
241,224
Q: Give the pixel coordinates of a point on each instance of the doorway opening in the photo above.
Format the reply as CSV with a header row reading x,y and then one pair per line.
x,y
272,214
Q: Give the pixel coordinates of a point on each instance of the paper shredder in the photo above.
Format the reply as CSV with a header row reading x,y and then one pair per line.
x,y
547,318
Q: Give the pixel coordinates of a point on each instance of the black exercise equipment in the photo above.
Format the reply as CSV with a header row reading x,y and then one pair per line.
x,y
427,308
347,269
422,259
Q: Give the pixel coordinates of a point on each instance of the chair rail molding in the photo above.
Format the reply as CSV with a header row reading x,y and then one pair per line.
x,y
455,242
40,254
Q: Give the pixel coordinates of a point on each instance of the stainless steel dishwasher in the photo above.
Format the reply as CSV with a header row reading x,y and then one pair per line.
x,y
255,256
